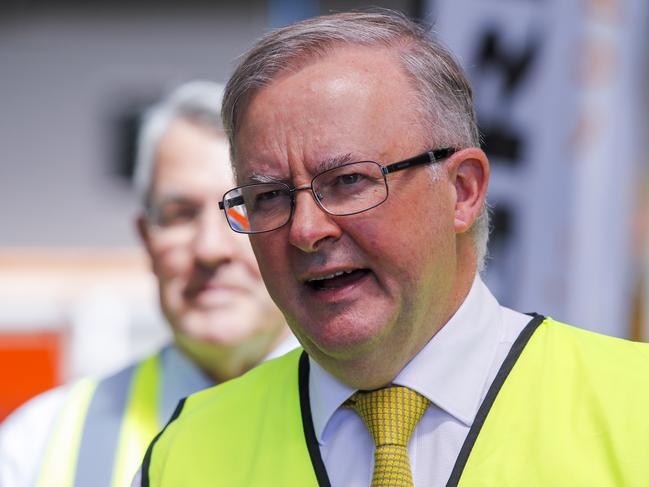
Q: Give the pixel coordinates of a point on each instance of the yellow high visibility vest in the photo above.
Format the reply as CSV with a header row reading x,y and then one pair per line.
x,y
567,408
138,386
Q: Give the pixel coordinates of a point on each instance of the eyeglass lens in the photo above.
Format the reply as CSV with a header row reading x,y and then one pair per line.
x,y
344,190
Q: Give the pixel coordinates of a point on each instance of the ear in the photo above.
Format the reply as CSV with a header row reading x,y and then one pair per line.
x,y
469,171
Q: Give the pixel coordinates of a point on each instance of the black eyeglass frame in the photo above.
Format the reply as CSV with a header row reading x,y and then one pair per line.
x,y
428,157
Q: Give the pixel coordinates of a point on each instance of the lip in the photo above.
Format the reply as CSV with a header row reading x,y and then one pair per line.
x,y
212,288
334,295
324,273
218,286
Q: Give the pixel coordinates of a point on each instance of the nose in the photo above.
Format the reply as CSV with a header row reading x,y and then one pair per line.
x,y
213,241
311,225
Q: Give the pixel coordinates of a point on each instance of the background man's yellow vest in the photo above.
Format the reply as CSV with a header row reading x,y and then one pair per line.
x,y
567,408
103,429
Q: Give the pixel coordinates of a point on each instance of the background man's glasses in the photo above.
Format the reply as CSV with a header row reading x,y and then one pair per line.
x,y
344,190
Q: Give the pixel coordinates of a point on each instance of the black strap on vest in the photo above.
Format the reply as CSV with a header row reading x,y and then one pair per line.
x,y
494,389
307,423
146,463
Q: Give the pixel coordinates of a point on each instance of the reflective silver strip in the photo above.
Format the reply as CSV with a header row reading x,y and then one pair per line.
x,y
101,430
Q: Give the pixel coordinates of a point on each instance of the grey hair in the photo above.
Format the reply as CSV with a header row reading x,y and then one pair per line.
x,y
444,93
197,101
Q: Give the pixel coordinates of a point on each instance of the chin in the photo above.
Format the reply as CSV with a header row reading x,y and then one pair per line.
x,y
345,344
356,366
219,329
221,338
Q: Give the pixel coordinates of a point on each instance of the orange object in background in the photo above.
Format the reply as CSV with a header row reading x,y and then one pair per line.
x,y
30,363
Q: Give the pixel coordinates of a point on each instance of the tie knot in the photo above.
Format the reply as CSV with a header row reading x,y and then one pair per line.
x,y
390,414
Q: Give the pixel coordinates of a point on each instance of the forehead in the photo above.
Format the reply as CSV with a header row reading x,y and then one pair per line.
x,y
356,102
191,160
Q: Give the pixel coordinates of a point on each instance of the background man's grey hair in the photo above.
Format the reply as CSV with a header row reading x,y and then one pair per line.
x,y
445,95
196,101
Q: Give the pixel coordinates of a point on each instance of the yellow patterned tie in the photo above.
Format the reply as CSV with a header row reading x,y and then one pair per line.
x,y
391,415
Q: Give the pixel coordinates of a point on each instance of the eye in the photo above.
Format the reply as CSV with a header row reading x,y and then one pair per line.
x,y
176,214
351,178
269,199
269,195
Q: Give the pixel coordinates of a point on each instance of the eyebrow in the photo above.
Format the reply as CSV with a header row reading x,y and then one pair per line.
x,y
264,178
174,198
335,162
322,166
155,206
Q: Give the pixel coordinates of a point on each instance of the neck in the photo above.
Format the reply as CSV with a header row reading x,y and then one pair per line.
x,y
222,363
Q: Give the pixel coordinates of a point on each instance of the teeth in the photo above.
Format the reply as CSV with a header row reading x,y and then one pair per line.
x,y
330,276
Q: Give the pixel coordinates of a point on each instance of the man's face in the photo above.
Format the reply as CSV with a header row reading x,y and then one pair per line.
x,y
210,287
399,258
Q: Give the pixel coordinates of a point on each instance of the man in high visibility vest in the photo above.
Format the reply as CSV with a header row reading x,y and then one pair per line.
x,y
94,432
361,183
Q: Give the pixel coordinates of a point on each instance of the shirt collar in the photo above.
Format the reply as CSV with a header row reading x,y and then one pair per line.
x,y
451,370
181,374
180,378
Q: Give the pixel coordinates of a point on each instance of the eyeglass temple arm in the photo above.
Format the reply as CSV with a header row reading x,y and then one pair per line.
x,y
236,201
427,157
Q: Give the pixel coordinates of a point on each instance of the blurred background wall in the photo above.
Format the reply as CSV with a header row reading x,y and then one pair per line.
x,y
562,105
561,100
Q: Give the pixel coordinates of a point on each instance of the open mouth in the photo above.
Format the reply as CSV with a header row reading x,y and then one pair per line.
x,y
337,280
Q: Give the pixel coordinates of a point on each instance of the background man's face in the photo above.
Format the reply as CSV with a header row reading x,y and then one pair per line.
x,y
354,105
210,287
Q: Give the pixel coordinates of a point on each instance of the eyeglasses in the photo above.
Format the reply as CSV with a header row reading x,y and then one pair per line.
x,y
344,190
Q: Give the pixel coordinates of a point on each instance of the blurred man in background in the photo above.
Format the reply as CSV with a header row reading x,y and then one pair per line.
x,y
94,432
362,185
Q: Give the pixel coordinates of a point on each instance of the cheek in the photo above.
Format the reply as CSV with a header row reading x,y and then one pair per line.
x,y
405,252
265,251
248,258
272,264
169,263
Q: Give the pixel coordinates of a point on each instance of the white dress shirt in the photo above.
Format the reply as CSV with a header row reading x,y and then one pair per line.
x,y
454,371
